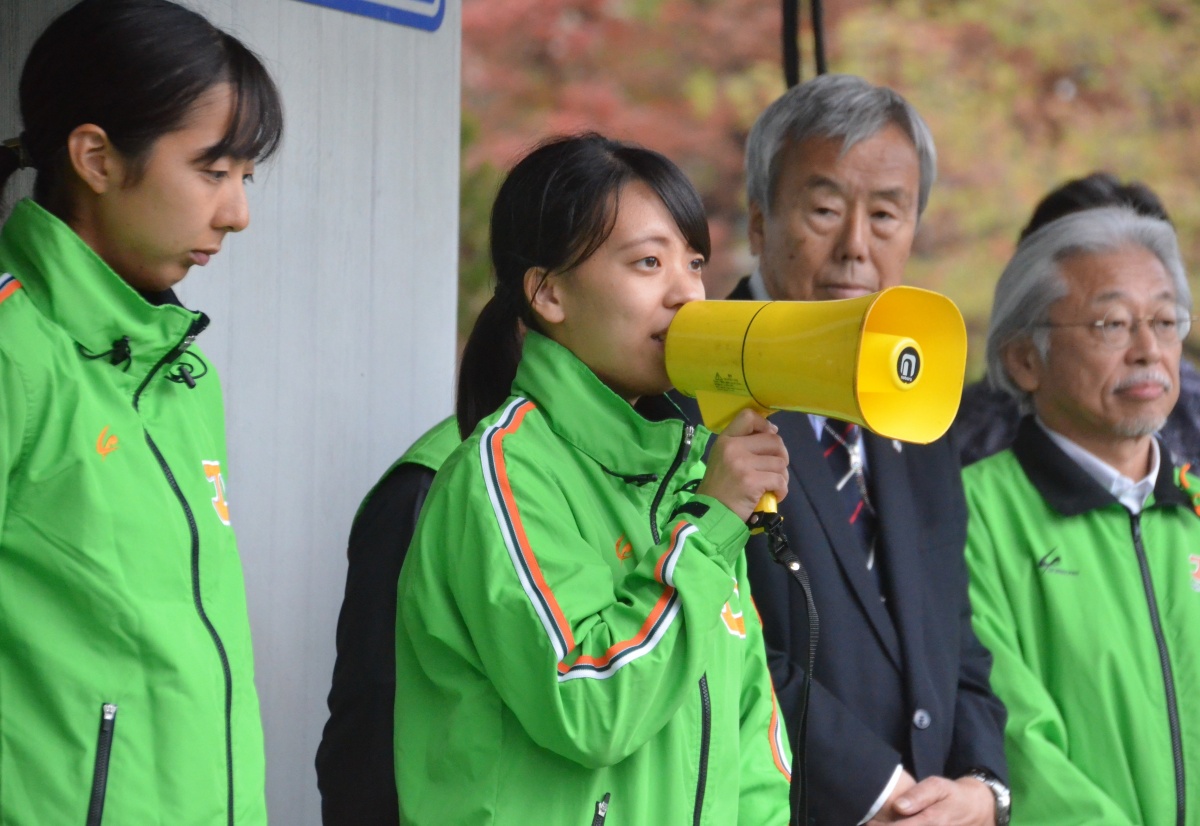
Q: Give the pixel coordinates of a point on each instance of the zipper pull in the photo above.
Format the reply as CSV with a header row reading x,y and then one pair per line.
x,y
688,433
107,714
601,810
198,326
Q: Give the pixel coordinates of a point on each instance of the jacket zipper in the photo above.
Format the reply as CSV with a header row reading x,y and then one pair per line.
x,y
1168,678
705,737
601,810
212,631
193,330
108,721
684,445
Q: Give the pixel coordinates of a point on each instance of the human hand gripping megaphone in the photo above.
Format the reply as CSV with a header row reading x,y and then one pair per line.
x,y
891,361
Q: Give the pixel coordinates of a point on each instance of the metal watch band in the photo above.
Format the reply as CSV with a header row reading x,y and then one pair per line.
x,y
999,791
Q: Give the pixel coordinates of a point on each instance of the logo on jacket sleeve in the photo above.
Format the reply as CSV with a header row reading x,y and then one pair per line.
x,y
1195,562
735,623
212,470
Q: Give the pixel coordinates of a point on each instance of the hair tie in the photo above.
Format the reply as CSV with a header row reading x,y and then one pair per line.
x,y
17,147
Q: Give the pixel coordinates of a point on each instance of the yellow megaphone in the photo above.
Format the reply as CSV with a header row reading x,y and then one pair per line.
x,y
891,361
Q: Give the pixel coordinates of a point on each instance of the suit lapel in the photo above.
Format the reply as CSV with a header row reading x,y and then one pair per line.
x,y
891,492
812,479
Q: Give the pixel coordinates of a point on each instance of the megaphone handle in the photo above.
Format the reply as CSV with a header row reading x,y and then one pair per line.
x,y
765,513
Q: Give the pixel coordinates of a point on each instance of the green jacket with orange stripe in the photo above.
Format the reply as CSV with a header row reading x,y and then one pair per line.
x,y
126,675
575,641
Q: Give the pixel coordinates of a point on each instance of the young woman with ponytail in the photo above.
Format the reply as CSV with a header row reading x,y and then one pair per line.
x,y
126,672
574,636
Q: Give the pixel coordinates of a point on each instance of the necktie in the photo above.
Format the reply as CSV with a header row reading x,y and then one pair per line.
x,y
842,445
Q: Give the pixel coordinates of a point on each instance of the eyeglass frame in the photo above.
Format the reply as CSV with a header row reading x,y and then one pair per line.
x,y
1183,326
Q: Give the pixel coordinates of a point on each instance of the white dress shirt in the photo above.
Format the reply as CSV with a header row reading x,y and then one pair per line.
x,y
1132,494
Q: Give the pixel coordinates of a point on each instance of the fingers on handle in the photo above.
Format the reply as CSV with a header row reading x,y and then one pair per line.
x,y
747,422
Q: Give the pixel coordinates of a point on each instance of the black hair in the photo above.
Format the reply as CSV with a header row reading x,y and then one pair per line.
x,y
554,209
135,68
1099,189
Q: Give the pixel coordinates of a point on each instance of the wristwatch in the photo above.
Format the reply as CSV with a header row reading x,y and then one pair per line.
x,y
999,791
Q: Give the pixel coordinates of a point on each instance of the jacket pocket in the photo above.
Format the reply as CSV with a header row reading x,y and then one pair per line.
x,y
601,810
108,722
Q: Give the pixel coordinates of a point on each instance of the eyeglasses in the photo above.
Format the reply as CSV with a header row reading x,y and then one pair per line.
x,y
1117,328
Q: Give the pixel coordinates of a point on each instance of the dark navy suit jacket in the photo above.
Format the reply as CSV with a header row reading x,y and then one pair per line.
x,y
898,682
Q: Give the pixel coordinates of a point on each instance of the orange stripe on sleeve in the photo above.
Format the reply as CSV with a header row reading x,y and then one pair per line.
x,y
655,613
775,733
510,503
8,289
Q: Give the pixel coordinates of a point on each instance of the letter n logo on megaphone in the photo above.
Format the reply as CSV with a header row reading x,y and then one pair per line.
x,y
909,366
892,361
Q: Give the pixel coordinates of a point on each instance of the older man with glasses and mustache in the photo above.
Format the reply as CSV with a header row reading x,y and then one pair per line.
x,y
1083,540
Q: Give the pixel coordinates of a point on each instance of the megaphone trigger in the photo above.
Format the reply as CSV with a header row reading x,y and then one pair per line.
x,y
766,514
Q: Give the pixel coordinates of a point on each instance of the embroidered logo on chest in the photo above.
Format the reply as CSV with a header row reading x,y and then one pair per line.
x,y
106,443
1052,563
623,547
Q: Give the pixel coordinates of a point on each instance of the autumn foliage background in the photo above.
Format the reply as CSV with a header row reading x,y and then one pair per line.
x,y
1020,95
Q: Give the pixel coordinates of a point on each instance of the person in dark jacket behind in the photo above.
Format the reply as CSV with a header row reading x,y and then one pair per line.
x,y
902,721
126,671
988,417
355,765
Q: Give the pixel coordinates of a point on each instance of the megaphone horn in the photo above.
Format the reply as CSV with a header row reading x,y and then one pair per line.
x,y
891,361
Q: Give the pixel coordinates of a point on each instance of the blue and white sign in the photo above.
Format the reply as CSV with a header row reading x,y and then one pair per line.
x,y
418,14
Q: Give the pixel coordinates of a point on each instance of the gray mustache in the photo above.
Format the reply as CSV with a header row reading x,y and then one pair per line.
x,y
1143,376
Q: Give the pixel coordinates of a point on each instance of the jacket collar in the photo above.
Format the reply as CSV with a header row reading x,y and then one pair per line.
x,y
1068,488
582,410
73,287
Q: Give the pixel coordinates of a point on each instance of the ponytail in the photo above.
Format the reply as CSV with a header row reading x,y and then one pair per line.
x,y
489,362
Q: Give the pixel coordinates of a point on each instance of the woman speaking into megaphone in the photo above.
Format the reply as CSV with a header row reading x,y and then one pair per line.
x,y
574,633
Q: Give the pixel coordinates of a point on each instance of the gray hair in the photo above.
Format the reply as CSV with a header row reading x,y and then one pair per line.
x,y
1033,279
832,106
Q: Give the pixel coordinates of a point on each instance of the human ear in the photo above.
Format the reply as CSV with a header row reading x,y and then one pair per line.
x,y
1023,363
94,158
754,228
544,294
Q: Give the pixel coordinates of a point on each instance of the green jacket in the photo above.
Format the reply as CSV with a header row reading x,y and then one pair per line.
x,y
434,446
575,622
126,675
1093,618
